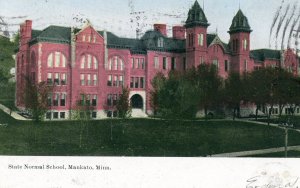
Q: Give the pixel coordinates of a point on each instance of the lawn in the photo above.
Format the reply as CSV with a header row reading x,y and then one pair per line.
x,y
136,137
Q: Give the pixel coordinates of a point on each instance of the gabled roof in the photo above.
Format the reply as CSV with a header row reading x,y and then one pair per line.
x,y
56,34
263,54
240,23
196,17
212,38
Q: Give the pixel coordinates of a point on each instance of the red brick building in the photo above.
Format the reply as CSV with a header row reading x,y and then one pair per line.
x,y
93,66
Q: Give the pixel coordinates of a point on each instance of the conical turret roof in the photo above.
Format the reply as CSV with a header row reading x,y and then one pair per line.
x,y
240,23
196,17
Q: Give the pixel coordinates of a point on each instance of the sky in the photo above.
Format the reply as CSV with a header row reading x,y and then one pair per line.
x,y
124,17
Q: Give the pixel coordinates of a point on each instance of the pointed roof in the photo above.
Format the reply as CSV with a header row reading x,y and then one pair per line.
x,y
240,23
196,17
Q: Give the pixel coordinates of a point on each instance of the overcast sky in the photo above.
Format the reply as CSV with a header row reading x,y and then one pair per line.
x,y
115,15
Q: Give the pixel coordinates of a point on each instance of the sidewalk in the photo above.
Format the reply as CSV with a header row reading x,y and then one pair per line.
x,y
256,152
13,114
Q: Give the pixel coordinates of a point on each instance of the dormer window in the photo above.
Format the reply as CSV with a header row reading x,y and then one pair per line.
x,y
160,42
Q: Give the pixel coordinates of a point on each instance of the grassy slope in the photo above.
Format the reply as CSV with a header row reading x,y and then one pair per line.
x,y
137,137
6,51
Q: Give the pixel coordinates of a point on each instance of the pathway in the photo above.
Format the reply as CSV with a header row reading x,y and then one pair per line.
x,y
13,114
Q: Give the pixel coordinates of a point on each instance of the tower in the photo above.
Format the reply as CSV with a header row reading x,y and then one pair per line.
x,y
196,36
240,43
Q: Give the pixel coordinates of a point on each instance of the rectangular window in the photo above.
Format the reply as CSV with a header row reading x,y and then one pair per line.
x,y
56,98
63,99
62,115
56,79
121,81
89,65
136,82
132,63
173,63
50,60
115,99
298,110
164,63
89,38
94,100
94,115
89,82
142,61
82,82
156,62
131,82
88,100
95,39
49,78
95,63
49,99
82,99
200,39
63,61
109,100
115,63
82,65
109,114
226,64
48,115
57,59
109,80
142,82
63,78
201,60
95,79
245,65
83,38
115,83
121,64
216,63
137,63
55,115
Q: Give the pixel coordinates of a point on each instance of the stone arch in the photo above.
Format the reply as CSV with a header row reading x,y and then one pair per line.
x,y
137,101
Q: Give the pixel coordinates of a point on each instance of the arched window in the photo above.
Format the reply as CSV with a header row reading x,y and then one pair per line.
x,y
88,61
115,63
245,44
56,59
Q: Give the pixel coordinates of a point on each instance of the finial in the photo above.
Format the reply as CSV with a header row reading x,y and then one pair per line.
x,y
239,4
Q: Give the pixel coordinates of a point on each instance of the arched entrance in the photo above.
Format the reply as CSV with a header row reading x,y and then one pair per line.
x,y
136,101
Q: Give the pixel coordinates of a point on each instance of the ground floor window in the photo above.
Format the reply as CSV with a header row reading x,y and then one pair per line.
x,y
62,115
55,115
48,115
94,115
112,114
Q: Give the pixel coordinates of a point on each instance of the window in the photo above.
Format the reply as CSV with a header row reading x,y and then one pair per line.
x,y
82,65
121,81
95,79
142,61
216,63
132,63
49,78
245,44
94,100
109,80
63,79
63,99
164,63
110,64
83,38
95,63
55,115
136,82
184,64
115,99
173,63
245,65
226,64
142,82
82,83
49,99
48,115
115,63
62,115
57,59
156,62
137,63
95,39
50,60
88,100
115,83
63,62
131,82
109,114
200,39
56,98
89,82
89,64
109,100
81,99
160,42
56,79
89,38
121,64
201,60
94,115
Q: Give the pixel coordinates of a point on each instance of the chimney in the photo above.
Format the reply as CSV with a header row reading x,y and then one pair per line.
x,y
178,32
162,28
25,31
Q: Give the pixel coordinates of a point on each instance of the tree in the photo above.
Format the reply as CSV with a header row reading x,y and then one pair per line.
x,y
123,106
35,98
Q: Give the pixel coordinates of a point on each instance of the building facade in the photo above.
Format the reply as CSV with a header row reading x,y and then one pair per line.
x,y
91,66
